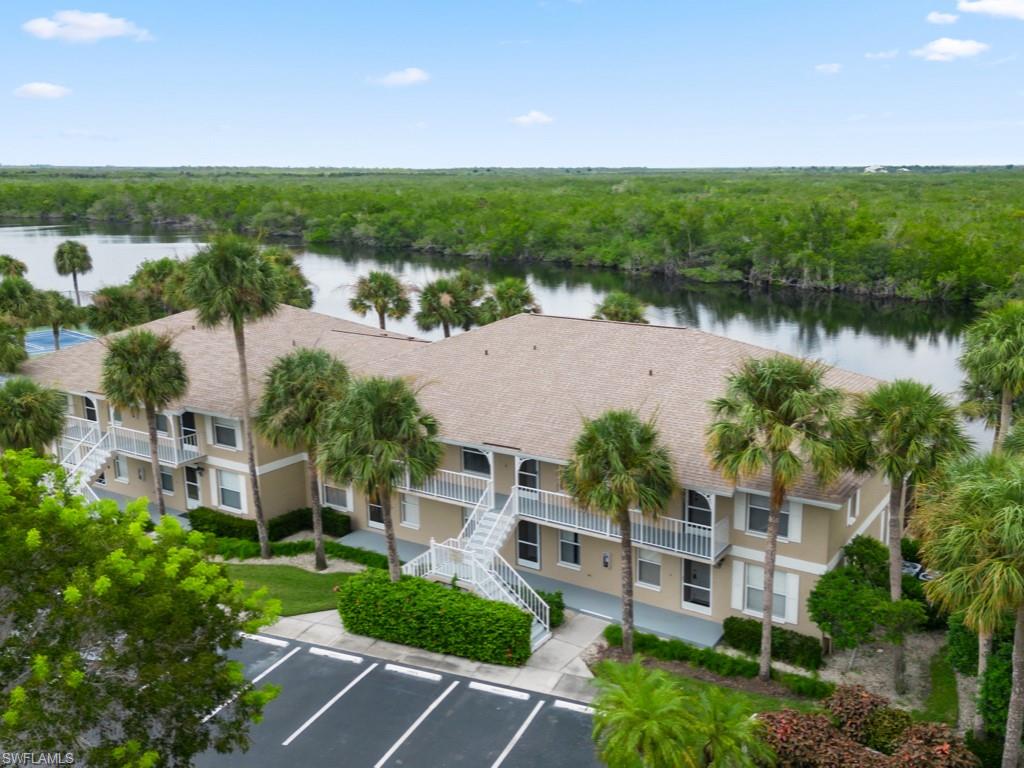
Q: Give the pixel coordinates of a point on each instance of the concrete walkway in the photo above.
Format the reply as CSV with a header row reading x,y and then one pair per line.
x,y
555,668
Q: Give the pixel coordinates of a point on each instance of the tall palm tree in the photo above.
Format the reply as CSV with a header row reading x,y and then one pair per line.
x,y
31,416
724,731
296,290
975,536
618,464
231,280
509,296
12,267
450,301
383,293
141,367
777,415
115,308
640,718
993,355
376,434
72,258
57,311
621,307
12,344
18,298
904,429
299,388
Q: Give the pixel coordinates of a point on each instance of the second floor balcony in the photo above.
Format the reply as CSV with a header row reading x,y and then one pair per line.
x,y
171,450
464,488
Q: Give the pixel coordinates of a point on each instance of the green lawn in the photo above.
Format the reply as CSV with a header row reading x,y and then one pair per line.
x,y
299,591
942,704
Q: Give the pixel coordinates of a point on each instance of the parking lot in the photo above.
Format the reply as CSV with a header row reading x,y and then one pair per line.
x,y
354,711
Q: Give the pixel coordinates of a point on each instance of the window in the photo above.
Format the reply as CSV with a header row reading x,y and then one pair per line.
x,y
853,508
648,568
697,583
115,415
753,593
90,409
163,424
528,544
698,508
475,461
529,474
225,432
120,469
166,480
374,515
69,407
757,516
336,497
229,489
410,510
569,549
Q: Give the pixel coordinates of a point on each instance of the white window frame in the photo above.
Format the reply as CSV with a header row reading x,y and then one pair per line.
x,y
167,421
226,423
741,517
784,580
165,471
346,490
409,511
690,606
462,457
86,402
853,508
519,560
218,474
650,557
370,522
571,539
686,507
119,462
115,415
520,471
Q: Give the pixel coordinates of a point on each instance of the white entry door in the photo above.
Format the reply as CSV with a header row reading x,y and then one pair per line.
x,y
191,488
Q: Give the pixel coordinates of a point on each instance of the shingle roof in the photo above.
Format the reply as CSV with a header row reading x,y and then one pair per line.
x,y
211,360
526,382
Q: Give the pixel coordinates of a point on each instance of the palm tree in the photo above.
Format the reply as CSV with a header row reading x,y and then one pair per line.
x,y
640,718
777,415
975,537
296,290
142,367
115,308
299,388
984,402
724,731
31,416
373,437
18,298
904,429
231,280
993,355
509,296
72,258
159,283
12,344
57,311
383,293
621,307
450,301
12,267
618,464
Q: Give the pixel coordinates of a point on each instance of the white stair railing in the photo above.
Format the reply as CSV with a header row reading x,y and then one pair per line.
x,y
481,508
525,595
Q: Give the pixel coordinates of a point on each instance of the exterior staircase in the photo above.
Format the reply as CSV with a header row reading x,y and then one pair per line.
x,y
83,460
473,560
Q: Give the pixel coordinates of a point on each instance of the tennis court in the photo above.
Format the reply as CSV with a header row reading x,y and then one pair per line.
x,y
40,341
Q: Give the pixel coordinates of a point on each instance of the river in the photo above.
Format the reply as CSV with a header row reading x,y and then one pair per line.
x,y
883,339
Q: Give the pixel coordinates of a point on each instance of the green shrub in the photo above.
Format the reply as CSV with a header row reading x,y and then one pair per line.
x,y
336,524
428,615
356,555
852,707
556,606
963,645
989,751
224,524
788,646
885,728
910,549
221,524
870,558
935,617
994,690
804,685
245,549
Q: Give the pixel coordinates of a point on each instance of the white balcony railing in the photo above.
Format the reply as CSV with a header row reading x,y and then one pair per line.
x,y
171,450
667,533
460,487
77,428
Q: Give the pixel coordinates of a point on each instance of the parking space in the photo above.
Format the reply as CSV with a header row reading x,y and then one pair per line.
x,y
345,709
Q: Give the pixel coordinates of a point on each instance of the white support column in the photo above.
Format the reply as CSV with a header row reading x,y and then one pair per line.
x,y
490,461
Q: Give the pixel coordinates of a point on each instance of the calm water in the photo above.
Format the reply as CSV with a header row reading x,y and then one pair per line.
x,y
882,339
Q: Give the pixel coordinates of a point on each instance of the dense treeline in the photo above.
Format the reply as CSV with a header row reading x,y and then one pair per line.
x,y
919,234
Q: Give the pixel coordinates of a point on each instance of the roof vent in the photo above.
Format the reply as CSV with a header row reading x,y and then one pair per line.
x,y
534,347
485,353
650,371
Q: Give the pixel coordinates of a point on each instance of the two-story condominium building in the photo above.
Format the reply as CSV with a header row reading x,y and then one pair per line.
x,y
510,398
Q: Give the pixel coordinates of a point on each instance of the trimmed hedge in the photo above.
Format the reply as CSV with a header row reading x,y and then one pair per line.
x,y
556,606
434,617
223,524
244,549
787,645
963,646
714,661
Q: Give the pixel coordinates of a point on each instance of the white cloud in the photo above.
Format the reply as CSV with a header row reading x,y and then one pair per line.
x,y
829,69
892,53
400,77
82,27
938,17
533,117
1013,9
948,49
41,91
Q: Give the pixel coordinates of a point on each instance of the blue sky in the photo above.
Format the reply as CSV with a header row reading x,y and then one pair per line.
x,y
444,83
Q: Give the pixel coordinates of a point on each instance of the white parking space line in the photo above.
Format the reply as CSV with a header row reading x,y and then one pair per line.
x,y
432,676
518,735
415,725
336,655
521,695
572,706
328,705
255,680
265,640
